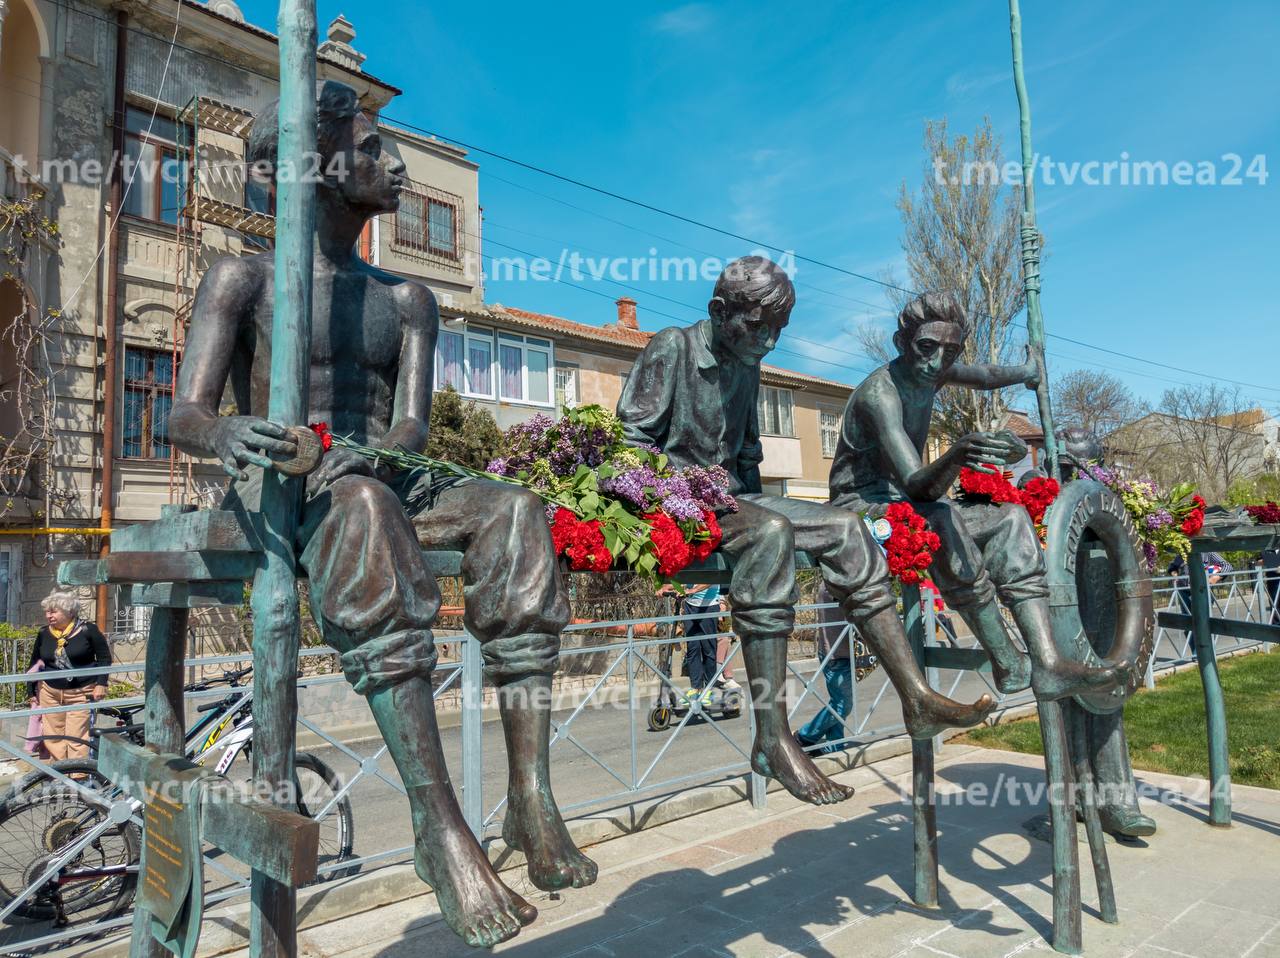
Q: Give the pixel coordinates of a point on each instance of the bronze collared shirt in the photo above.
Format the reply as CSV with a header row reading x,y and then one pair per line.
x,y
697,407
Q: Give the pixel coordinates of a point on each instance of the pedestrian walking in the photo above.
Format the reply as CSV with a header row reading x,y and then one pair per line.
x,y
700,628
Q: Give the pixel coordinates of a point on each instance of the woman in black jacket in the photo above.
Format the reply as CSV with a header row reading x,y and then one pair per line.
x,y
67,642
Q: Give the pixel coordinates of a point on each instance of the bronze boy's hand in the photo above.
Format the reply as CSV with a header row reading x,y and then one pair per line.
x,y
1032,370
338,462
234,440
977,450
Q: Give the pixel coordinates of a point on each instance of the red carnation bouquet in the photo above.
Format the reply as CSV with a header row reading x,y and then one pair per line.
x,y
911,545
1267,513
1193,521
1036,497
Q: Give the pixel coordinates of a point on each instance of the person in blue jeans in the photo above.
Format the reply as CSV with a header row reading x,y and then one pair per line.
x,y
838,674
700,635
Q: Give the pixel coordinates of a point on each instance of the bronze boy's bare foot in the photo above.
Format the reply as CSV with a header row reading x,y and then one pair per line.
x,y
783,759
533,823
1062,678
475,903
932,714
537,830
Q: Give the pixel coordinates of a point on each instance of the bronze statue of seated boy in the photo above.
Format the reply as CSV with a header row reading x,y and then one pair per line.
x,y
693,394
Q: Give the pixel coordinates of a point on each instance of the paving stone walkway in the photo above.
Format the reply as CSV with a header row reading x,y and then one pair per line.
x,y
835,881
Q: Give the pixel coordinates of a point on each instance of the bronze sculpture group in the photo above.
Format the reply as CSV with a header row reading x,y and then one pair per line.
x,y
692,393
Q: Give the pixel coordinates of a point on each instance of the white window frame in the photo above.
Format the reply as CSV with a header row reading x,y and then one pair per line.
x,y
496,339
822,430
570,371
469,334
526,345
12,611
791,404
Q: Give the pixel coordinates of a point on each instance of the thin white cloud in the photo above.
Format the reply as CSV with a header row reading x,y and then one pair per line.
x,y
684,21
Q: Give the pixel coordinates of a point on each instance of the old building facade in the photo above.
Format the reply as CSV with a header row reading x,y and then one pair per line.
x,y
171,89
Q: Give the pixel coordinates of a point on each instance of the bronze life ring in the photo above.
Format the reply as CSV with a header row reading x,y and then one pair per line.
x,y
1099,587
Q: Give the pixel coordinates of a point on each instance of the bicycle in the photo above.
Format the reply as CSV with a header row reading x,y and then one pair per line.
x,y
43,818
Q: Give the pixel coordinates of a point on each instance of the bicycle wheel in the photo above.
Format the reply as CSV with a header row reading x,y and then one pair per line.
x,y
40,819
317,786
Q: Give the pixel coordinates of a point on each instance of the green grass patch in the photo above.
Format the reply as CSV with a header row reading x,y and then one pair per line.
x,y
1166,725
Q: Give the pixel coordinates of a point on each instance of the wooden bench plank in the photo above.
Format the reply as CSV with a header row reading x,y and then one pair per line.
x,y
280,843
1249,631
940,657
209,530
187,595
163,566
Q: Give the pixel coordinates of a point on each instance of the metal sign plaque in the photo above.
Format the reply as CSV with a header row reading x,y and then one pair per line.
x,y
172,878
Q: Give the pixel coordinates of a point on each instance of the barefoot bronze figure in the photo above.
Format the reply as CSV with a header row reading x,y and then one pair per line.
x,y
988,549
372,360
693,394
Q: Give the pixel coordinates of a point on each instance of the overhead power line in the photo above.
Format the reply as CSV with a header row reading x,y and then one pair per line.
x,y
680,217
204,54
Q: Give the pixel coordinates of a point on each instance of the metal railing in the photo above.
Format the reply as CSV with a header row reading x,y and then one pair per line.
x,y
603,753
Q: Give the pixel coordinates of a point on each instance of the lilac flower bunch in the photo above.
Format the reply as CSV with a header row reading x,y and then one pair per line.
x,y
1157,518
604,494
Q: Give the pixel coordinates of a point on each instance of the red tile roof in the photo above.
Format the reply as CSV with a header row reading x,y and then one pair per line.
x,y
636,339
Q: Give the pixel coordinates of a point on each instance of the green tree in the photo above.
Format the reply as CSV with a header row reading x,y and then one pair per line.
x,y
462,432
1251,492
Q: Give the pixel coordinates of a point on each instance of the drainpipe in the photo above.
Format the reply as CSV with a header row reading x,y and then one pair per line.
x,y
111,265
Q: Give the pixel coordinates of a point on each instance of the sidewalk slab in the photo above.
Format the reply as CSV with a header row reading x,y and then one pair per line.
x,y
800,880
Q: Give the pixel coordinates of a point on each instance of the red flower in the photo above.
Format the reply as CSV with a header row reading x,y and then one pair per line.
x,y
1194,522
563,526
1268,513
587,551
1038,496
668,539
911,545
321,429
703,547
993,485
1199,502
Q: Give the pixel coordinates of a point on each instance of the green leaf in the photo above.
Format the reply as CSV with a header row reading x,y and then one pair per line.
x,y
590,504
612,540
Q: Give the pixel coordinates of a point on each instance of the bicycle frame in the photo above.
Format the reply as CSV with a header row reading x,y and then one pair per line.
x,y
211,733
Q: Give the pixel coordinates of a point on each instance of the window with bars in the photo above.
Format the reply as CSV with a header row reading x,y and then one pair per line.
x,y
829,427
777,412
567,385
430,221
148,397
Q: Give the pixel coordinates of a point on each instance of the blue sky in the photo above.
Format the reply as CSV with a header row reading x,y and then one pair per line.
x,y
796,124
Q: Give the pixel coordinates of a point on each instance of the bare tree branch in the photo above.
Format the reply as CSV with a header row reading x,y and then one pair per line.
x,y
1206,434
1095,401
961,233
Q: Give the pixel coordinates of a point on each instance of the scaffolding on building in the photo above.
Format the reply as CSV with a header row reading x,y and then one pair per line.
x,y
204,181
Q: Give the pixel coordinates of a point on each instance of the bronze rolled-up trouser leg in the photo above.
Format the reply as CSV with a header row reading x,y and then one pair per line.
x,y
515,600
982,542
516,608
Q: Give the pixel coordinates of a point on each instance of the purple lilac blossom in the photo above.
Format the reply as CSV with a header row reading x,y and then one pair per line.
x,y
1149,553
1101,474
710,486
1159,519
631,485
